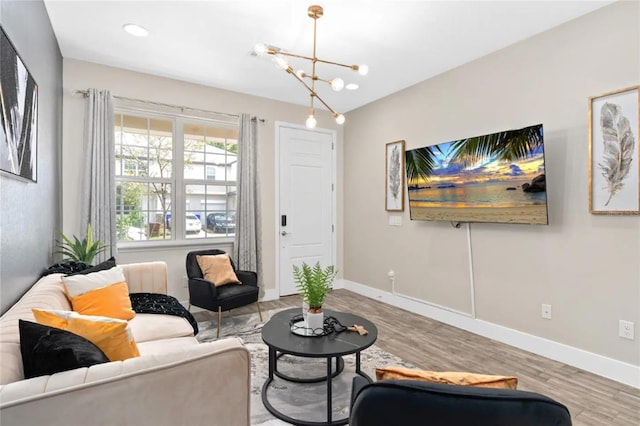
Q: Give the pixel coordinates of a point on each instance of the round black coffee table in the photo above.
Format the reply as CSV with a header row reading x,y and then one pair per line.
x,y
277,335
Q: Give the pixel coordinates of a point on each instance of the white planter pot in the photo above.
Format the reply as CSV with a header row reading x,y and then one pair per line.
x,y
315,322
305,309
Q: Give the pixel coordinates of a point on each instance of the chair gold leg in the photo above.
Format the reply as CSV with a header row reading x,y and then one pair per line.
x,y
259,310
219,319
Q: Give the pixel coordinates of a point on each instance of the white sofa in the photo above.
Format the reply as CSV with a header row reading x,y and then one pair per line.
x,y
175,381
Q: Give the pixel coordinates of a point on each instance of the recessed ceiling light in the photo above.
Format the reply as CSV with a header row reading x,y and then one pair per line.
x,y
351,86
136,30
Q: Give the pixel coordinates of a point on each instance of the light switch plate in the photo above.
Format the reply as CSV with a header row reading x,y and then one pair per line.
x,y
395,220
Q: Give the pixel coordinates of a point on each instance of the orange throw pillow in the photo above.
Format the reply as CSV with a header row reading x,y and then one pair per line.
x,y
217,269
113,336
448,377
103,293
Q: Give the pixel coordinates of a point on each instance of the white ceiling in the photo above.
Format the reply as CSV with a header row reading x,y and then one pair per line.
x,y
210,42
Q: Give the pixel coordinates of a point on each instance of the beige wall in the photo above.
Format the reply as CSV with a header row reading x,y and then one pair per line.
x,y
587,267
30,212
80,75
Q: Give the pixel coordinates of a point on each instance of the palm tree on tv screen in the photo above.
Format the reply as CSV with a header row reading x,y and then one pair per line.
x,y
510,145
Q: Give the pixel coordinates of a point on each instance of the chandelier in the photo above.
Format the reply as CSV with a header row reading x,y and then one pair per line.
x,y
337,84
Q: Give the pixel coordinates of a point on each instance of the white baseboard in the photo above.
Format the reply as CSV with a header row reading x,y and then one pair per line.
x,y
619,371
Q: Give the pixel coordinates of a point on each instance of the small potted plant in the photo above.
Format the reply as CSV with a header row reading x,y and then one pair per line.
x,y
80,250
314,283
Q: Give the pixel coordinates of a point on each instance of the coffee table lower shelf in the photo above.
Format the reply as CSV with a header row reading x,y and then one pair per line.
x,y
331,373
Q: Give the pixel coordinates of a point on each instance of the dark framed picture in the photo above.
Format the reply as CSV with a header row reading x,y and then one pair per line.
x,y
394,177
614,152
18,114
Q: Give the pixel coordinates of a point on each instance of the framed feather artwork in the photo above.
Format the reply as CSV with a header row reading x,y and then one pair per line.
x,y
614,151
394,177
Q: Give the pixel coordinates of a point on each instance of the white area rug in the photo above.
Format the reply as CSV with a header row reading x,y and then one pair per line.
x,y
302,401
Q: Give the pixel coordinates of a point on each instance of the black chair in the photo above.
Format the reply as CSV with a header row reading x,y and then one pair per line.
x,y
412,402
204,294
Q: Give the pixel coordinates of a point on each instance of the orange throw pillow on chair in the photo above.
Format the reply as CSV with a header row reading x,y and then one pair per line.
x,y
217,269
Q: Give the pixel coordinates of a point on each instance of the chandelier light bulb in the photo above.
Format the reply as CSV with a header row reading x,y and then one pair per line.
x,y
311,122
351,86
337,84
260,49
363,69
281,62
301,74
340,119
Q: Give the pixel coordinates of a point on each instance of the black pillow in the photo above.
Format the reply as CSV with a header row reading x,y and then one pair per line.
x,y
107,264
48,350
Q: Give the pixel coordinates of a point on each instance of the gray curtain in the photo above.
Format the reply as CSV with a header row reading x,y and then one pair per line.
x,y
247,247
98,197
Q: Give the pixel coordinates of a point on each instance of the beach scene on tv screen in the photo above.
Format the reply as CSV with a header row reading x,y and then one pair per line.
x,y
499,177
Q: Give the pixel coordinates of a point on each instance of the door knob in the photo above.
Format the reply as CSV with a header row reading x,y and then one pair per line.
x,y
283,233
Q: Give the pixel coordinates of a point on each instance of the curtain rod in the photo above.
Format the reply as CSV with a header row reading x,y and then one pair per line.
x,y
85,93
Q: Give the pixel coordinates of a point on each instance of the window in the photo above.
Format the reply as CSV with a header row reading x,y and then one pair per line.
x,y
164,162
211,173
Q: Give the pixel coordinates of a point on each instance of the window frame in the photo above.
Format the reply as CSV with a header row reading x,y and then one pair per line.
x,y
177,181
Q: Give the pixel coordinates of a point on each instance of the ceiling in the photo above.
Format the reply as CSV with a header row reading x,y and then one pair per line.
x,y
211,42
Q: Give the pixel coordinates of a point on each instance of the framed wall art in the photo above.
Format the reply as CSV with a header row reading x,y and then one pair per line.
x,y
19,114
614,166
394,177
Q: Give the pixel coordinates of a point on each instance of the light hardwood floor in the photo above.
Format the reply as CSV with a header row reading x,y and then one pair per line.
x,y
429,344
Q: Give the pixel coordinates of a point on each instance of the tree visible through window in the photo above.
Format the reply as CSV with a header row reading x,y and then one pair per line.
x,y
156,173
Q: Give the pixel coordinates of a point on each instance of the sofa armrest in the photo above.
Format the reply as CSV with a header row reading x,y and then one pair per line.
x,y
201,384
146,277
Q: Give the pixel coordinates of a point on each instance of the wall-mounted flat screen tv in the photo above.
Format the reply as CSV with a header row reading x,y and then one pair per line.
x,y
499,178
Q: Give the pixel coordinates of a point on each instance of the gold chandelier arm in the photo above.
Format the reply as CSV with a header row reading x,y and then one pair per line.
x,y
311,91
353,67
290,71
325,104
294,55
315,17
309,58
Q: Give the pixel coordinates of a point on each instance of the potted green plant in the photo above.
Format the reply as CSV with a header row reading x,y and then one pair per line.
x,y
80,250
314,283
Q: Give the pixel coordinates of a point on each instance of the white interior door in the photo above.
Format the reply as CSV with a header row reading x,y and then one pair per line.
x,y
306,201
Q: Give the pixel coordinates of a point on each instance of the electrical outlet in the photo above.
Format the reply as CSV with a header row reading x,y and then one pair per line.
x,y
626,330
546,311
